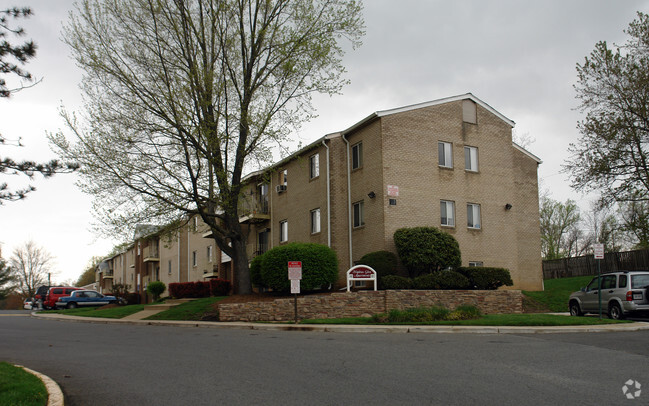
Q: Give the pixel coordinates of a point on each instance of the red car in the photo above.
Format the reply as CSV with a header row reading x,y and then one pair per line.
x,y
54,294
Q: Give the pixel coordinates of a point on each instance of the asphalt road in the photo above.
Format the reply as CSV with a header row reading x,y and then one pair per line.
x,y
108,364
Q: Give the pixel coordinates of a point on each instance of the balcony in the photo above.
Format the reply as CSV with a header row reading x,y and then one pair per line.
x,y
253,211
151,253
107,274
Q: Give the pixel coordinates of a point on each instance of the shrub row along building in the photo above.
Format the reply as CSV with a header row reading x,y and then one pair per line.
x,y
448,163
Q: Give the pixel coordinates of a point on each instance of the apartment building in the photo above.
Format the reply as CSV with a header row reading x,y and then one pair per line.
x,y
449,163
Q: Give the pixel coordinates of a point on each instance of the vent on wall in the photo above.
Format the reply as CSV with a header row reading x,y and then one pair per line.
x,y
280,188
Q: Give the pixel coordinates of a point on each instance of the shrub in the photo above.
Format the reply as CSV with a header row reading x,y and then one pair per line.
x,y
156,288
426,249
132,298
418,314
442,280
189,289
383,262
395,282
426,281
464,312
255,271
484,278
319,266
120,290
219,287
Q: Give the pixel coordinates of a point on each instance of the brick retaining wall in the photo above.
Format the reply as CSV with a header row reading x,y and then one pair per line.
x,y
367,303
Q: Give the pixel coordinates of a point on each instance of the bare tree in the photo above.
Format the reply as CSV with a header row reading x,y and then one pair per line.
x,y
557,219
30,265
182,96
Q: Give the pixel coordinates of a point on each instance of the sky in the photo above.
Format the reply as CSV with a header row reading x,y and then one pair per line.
x,y
517,56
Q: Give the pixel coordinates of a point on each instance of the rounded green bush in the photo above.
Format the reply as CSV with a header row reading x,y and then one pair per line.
x,y
383,262
426,249
451,280
319,266
395,282
486,278
426,281
255,271
156,288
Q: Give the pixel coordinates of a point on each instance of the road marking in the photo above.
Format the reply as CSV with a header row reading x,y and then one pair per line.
x,y
14,315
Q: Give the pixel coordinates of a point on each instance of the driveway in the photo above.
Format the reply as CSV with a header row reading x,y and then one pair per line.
x,y
108,364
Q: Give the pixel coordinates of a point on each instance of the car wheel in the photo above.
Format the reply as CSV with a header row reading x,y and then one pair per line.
x,y
72,305
575,310
615,312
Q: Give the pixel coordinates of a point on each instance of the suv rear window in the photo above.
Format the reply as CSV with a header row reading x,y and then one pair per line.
x,y
639,281
57,291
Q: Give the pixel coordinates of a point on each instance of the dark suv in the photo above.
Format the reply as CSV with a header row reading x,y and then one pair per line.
x,y
39,296
54,294
623,292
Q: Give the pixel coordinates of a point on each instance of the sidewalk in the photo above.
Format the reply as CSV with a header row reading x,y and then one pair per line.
x,y
340,328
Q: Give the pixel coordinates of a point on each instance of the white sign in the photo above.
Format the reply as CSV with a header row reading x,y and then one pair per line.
x,y
393,190
295,286
360,273
295,270
599,250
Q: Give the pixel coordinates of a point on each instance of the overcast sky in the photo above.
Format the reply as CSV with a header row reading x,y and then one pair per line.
x,y
517,56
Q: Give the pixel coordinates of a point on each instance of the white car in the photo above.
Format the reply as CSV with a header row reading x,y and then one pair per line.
x,y
28,304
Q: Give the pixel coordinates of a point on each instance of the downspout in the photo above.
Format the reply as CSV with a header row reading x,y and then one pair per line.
x,y
349,205
328,198
178,256
189,257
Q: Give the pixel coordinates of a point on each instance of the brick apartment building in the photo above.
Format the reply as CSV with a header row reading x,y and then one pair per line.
x,y
449,163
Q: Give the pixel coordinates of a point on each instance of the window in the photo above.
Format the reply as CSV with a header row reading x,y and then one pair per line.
x,y
447,210
194,259
169,267
357,155
209,253
283,177
622,281
445,153
283,231
475,263
359,215
473,216
471,159
315,221
314,166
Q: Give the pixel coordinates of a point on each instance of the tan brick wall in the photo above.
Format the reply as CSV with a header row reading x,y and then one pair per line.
x,y
363,304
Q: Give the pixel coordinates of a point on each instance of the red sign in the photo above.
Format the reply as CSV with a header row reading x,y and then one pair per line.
x,y
393,190
361,273
295,270
599,251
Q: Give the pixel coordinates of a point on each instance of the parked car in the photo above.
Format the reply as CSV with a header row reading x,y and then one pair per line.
x,y
54,293
83,298
28,304
39,296
623,292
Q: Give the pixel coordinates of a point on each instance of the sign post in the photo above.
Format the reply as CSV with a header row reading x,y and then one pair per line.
x,y
598,249
295,276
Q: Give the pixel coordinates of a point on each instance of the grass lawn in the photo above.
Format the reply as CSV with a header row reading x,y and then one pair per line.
x,y
488,320
557,291
199,309
19,387
110,313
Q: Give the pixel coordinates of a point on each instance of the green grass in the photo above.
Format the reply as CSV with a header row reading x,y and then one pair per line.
x,y
20,388
108,313
194,310
488,320
557,291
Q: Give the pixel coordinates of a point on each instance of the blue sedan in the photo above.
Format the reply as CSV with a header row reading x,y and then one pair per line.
x,y
84,298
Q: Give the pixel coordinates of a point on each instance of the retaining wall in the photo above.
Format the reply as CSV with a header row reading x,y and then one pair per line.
x,y
367,303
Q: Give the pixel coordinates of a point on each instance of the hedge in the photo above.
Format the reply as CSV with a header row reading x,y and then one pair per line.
x,y
444,280
215,287
319,266
395,282
383,262
486,278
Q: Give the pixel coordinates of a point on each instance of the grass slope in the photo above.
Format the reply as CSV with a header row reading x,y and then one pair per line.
x,y
19,387
557,291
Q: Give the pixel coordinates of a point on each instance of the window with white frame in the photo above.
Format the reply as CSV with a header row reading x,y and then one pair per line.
x,y
209,253
358,214
471,159
447,211
475,263
445,154
314,166
357,155
315,221
283,231
473,216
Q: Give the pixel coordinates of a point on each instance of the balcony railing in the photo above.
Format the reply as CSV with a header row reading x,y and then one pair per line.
x,y
150,253
253,210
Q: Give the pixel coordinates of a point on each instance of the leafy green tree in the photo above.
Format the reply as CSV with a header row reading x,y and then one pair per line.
x,y
611,156
156,288
557,219
183,96
426,250
88,276
635,222
6,279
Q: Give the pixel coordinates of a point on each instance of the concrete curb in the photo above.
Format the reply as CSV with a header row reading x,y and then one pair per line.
x,y
343,328
54,393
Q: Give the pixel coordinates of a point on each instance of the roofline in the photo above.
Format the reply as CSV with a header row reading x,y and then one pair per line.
x,y
528,153
470,96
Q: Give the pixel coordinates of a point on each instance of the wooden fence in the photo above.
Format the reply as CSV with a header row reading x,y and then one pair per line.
x,y
587,265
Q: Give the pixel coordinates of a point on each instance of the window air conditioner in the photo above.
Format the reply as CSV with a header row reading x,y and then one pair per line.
x,y
280,188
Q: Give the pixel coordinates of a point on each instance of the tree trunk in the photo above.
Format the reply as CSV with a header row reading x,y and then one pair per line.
x,y
240,272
